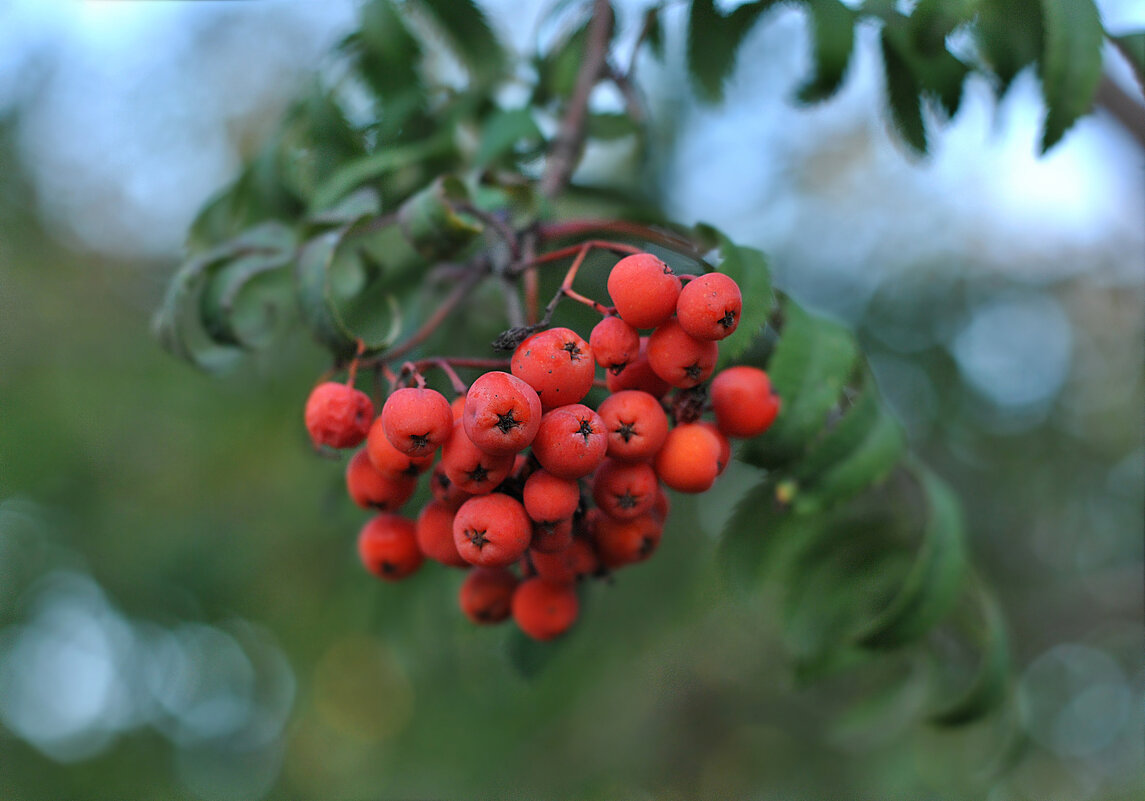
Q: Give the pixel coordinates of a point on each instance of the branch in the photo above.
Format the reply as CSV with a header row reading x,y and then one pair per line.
x,y
569,141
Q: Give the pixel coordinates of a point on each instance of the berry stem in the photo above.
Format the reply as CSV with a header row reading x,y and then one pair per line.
x,y
352,373
569,141
581,227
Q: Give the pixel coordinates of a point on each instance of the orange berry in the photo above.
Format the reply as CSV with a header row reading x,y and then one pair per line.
x,y
544,610
690,458
709,306
387,546
744,402
372,489
644,290
486,595
338,415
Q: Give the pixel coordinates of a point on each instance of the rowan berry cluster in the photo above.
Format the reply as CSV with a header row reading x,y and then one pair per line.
x,y
535,490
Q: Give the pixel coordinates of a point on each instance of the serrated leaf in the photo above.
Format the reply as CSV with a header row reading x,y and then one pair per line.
x,y
1070,64
903,90
931,588
431,223
390,56
988,686
713,43
314,140
249,300
179,323
503,131
1011,36
833,27
343,292
812,362
470,36
932,21
352,173
859,452
840,576
752,533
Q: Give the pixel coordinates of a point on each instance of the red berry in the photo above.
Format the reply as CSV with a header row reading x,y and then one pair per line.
x,y
709,306
638,375
457,407
388,548
492,530
557,363
471,469
725,446
564,566
624,490
544,610
372,489
614,344
549,536
445,490
690,458
644,290
635,423
502,413
388,459
679,359
417,420
571,441
625,542
338,415
744,402
549,498
435,534
486,594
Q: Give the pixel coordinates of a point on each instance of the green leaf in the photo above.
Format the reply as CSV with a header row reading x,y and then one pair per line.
x,y
468,32
1010,35
558,67
315,139
859,452
249,300
503,131
932,21
842,573
194,327
431,223
903,90
354,172
390,56
834,29
343,292
713,42
931,588
750,536
989,684
1070,65
812,362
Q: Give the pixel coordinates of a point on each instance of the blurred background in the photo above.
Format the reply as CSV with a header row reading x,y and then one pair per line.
x,y
182,613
